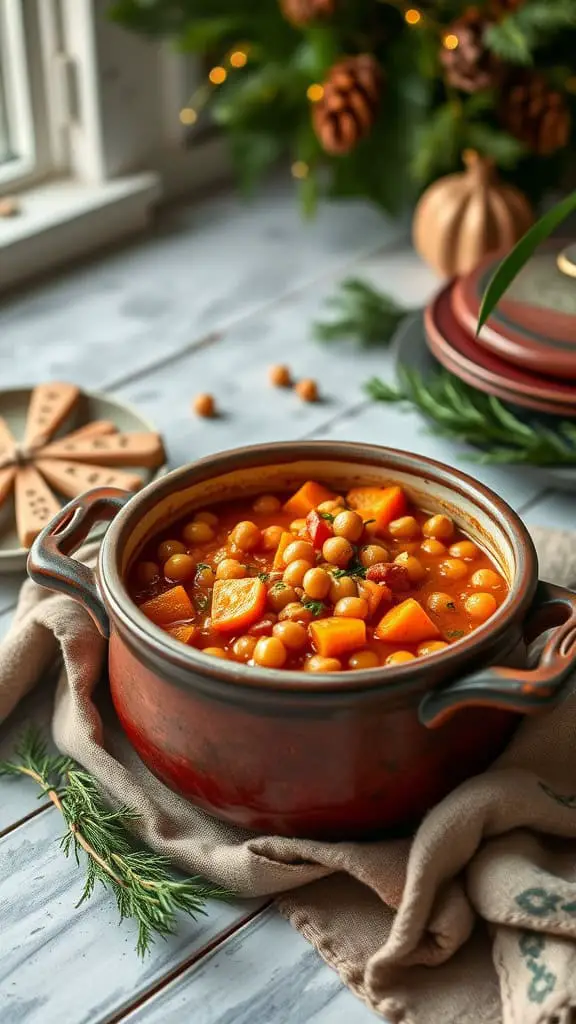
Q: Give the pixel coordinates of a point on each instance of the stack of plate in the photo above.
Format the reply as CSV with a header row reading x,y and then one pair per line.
x,y
526,353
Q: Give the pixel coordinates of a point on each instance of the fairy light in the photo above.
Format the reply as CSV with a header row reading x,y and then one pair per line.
x,y
218,75
412,16
238,59
450,41
315,92
188,116
300,169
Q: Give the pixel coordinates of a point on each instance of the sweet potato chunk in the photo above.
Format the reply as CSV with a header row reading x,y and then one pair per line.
x,y
407,623
172,606
236,604
337,635
307,497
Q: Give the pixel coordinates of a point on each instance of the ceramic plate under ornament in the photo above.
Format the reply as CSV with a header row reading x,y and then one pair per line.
x,y
410,349
534,324
96,421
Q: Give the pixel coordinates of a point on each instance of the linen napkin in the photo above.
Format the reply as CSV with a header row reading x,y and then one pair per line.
x,y
473,921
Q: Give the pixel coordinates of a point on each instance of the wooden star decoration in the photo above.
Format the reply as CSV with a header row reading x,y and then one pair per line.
x,y
43,470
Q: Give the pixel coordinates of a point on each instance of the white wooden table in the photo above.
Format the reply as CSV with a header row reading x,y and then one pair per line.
x,y
217,293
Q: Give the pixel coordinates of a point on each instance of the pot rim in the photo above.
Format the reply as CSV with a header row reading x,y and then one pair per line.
x,y
144,634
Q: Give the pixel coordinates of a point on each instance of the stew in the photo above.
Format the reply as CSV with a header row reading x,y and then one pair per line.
x,y
317,581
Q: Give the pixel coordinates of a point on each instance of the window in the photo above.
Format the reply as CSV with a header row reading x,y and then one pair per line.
x,y
17,143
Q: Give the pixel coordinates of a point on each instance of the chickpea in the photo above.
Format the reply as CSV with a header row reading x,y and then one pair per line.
x,y
246,535
307,390
206,517
267,504
332,507
351,608
297,550
204,576
279,376
298,526
433,547
319,664
147,573
180,568
243,647
413,566
204,405
271,537
295,572
363,659
399,658
293,635
338,551
440,527
487,579
440,603
454,568
270,652
431,647
348,525
404,528
295,612
480,606
170,547
198,532
230,569
279,595
464,549
216,652
317,583
371,554
345,586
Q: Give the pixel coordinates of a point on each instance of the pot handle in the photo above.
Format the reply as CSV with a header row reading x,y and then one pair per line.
x,y
526,691
49,563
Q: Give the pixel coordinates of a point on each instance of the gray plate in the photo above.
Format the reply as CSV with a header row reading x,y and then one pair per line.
x,y
411,350
91,406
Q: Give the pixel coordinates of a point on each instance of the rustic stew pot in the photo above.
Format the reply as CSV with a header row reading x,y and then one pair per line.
x,y
337,755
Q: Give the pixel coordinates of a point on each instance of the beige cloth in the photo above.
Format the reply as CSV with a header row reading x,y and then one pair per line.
x,y
485,894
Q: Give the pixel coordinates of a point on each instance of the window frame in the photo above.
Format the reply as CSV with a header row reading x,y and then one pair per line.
x,y
16,83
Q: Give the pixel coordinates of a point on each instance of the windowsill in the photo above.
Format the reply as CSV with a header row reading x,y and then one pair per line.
x,y
63,220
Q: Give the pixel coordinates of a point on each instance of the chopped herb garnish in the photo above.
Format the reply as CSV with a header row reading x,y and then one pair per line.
x,y
451,606
316,607
279,586
202,565
264,576
455,634
355,568
201,601
327,516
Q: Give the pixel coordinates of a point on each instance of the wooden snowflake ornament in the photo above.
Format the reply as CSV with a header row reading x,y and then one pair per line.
x,y
43,470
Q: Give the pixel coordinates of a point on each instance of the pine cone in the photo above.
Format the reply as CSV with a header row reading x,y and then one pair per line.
x,y
346,112
469,66
536,115
301,12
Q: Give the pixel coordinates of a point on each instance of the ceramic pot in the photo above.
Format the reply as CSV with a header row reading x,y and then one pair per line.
x,y
338,755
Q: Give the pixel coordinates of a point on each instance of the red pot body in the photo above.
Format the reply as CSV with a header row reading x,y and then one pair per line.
x,y
353,768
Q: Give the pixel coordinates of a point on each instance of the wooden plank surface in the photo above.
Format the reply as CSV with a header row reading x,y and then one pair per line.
x,y
264,974
78,966
217,293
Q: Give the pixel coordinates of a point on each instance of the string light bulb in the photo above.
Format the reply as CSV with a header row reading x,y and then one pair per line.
x,y
315,92
238,59
188,116
450,41
218,75
300,169
412,16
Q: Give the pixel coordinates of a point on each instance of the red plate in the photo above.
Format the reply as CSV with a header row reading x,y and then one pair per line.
x,y
539,335
460,353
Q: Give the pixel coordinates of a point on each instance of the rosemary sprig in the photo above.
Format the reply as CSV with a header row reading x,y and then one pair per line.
x,y
461,413
143,883
360,312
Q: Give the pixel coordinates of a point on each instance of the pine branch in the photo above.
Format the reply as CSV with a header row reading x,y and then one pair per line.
x,y
143,883
461,413
362,313
516,37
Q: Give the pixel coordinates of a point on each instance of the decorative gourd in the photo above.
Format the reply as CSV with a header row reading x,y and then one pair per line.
x,y
463,217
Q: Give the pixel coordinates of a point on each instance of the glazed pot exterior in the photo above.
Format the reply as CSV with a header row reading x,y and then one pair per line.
x,y
351,770
335,756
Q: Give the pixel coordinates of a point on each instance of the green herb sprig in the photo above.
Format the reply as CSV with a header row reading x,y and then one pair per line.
x,y
143,883
361,312
316,607
461,413
354,568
